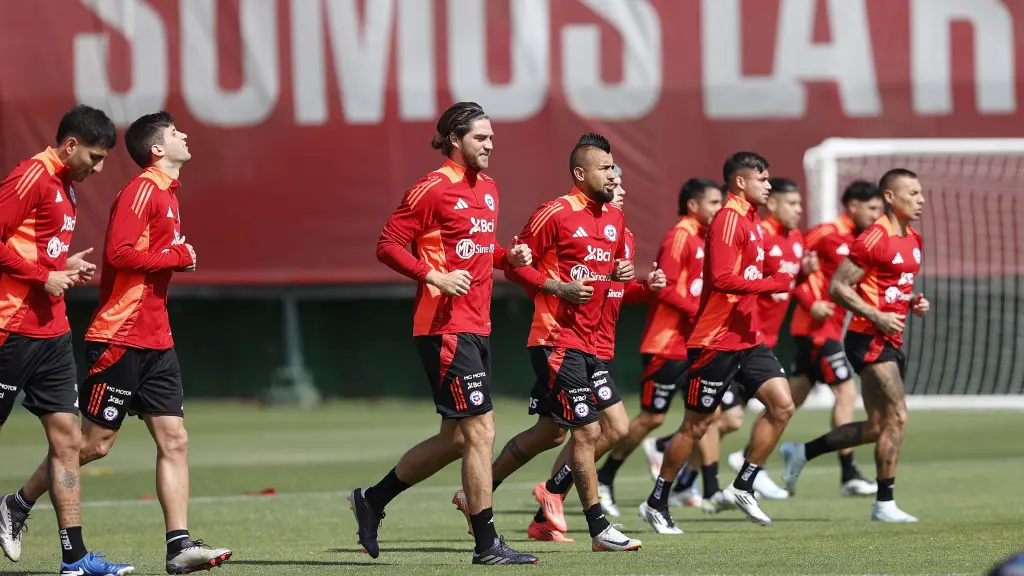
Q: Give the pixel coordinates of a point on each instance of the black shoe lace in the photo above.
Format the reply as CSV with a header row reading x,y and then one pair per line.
x,y
198,544
18,519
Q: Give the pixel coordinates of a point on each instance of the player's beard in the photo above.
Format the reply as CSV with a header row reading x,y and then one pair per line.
x,y
605,195
477,162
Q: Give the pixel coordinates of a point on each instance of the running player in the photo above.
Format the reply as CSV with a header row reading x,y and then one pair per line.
x,y
876,283
579,242
549,522
38,212
670,319
133,369
725,344
817,328
450,218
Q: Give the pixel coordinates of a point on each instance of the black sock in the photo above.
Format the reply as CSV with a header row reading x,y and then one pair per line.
x,y
596,520
710,475
539,517
746,451
385,491
21,501
661,443
685,479
71,542
659,496
561,482
885,489
817,447
745,479
846,462
176,540
606,475
483,529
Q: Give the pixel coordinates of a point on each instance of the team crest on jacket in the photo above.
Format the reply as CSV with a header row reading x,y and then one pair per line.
x,y
489,200
610,233
798,250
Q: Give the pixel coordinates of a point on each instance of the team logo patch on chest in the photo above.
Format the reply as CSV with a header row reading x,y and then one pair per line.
x,y
610,233
489,200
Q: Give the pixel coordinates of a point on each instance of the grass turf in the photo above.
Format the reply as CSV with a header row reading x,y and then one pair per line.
x,y
959,473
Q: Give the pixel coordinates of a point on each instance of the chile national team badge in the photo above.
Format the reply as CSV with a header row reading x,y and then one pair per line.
x,y
610,233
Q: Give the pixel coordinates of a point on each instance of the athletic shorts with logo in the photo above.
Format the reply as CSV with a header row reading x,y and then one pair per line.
x,y
661,378
826,363
44,368
603,385
865,349
563,388
124,381
458,367
712,373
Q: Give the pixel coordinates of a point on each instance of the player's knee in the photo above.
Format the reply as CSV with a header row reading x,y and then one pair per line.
x,y
588,434
173,442
730,421
614,430
64,435
899,417
649,421
696,429
782,410
95,449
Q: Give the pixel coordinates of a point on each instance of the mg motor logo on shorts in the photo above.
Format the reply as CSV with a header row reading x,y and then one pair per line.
x,y
752,273
598,254
579,272
481,225
69,224
466,248
55,247
906,279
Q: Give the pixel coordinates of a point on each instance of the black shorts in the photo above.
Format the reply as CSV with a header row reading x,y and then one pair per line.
x,y
603,385
458,367
712,373
44,368
124,381
562,391
733,397
865,349
826,363
661,378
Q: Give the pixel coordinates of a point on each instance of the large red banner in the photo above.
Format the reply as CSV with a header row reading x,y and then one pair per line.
x,y
308,119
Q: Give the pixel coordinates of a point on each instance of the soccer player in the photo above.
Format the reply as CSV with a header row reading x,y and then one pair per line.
x,y
450,217
670,319
133,369
549,522
579,242
817,326
726,345
38,212
876,283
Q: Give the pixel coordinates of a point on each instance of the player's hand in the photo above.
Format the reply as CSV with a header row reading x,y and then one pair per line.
x,y
454,283
58,281
78,264
822,309
810,263
890,323
577,292
191,252
520,254
921,306
656,279
623,271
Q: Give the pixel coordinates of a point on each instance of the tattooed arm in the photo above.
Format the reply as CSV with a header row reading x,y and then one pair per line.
x,y
842,290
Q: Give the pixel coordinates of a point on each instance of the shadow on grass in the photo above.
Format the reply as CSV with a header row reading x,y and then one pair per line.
x,y
296,563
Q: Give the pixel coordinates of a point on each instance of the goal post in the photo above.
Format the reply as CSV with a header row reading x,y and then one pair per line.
x,y
969,351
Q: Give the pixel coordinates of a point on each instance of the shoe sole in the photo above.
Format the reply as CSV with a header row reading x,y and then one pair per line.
x,y
210,564
602,548
465,512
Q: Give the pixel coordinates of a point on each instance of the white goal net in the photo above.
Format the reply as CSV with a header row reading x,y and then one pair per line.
x,y
971,345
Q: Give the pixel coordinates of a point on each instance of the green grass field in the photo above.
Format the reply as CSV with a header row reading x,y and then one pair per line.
x,y
960,474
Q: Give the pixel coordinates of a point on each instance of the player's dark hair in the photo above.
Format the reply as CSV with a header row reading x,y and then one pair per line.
x,y
588,140
144,133
783,186
90,126
743,161
861,191
693,189
889,178
457,119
